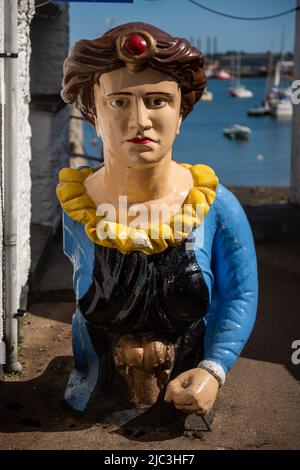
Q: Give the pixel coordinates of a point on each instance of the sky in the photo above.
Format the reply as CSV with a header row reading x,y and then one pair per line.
x,y
184,19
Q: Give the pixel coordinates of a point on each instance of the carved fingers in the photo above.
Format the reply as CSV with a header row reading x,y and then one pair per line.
x,y
193,390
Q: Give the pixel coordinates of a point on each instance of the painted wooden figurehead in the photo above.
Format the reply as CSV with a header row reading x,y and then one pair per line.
x,y
145,284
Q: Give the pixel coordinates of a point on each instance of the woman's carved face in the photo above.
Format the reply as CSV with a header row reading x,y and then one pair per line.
x,y
138,115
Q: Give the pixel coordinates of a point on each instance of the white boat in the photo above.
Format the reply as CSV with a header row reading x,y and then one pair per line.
x,y
240,91
207,96
280,97
237,132
283,108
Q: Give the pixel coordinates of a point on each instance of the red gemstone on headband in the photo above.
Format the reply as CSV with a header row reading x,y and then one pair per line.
x,y
135,45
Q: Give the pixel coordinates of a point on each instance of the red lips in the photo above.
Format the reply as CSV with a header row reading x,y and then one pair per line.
x,y
140,140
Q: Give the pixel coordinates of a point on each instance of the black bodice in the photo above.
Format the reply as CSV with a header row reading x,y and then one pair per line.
x,y
164,293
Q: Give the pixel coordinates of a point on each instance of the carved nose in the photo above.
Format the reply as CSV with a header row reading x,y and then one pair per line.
x,y
140,118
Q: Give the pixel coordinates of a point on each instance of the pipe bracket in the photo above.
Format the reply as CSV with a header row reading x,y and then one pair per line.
x,y
8,55
10,240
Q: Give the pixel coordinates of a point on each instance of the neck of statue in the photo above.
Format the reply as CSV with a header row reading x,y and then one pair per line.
x,y
143,184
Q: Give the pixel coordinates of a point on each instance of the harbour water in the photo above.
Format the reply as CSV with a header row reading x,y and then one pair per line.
x,y
263,160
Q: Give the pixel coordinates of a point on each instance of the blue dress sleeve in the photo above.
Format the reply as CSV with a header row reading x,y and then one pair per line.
x,y
235,288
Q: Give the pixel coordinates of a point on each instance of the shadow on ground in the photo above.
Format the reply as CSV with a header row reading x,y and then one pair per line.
x,y
37,405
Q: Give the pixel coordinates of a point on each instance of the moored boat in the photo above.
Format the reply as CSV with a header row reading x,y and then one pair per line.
x,y
262,110
240,91
237,132
207,96
283,108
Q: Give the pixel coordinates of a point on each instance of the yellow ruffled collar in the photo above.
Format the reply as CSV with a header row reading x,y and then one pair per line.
x,y
75,201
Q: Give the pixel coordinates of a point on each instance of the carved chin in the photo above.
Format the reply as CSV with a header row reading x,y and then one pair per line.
x,y
145,362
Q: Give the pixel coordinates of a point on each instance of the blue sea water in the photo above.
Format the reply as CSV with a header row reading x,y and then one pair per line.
x,y
201,139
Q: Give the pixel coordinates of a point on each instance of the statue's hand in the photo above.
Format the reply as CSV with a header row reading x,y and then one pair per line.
x,y
193,390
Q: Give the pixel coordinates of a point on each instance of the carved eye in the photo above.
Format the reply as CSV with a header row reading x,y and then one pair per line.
x,y
156,102
119,103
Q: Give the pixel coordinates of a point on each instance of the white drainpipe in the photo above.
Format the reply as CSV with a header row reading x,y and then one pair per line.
x,y
10,184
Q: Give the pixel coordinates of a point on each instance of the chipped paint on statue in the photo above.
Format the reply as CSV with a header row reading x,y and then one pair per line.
x,y
164,306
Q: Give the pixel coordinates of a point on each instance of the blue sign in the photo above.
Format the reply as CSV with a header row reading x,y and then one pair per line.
x,y
94,1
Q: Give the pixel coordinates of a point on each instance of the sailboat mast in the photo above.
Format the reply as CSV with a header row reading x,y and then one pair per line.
x,y
238,70
269,74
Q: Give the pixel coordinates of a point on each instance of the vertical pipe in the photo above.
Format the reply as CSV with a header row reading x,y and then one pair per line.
x,y
295,169
10,185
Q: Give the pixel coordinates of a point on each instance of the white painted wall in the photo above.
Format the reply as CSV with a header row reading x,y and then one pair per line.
x,y
41,133
25,14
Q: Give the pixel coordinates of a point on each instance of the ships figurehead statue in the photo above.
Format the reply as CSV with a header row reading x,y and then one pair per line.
x,y
163,256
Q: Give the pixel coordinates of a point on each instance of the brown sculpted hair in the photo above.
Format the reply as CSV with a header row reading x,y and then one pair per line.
x,y
89,59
